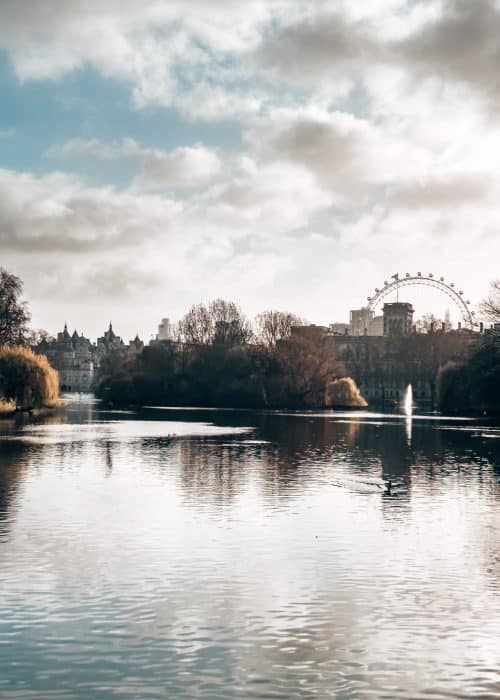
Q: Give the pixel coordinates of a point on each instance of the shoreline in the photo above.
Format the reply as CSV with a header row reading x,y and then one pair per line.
x,y
7,412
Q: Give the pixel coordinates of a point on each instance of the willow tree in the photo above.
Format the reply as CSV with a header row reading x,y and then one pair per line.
x,y
26,378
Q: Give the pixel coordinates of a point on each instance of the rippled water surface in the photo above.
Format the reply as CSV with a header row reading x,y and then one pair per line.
x,y
224,554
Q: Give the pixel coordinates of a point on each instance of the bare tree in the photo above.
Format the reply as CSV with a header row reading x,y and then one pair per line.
x,y
196,326
490,306
428,323
14,315
307,368
221,322
273,326
229,323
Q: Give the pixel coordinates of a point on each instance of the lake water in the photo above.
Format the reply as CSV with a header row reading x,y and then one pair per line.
x,y
231,554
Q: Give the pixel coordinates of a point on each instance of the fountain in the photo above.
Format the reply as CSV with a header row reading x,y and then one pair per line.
x,y
408,401
408,411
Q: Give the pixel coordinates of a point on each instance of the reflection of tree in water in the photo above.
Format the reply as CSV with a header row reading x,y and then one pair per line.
x,y
212,471
13,459
293,448
299,449
108,450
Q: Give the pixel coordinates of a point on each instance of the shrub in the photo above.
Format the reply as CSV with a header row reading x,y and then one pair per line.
x,y
343,393
27,379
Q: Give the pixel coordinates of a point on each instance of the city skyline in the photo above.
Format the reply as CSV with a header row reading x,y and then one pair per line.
x,y
154,156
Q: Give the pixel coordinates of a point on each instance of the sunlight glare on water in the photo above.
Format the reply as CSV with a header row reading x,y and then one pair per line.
x,y
220,554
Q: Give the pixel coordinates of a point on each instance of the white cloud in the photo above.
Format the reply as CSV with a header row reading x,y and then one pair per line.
x,y
166,51
369,140
184,167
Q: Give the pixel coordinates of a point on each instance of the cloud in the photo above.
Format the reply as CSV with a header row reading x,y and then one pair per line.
x,y
366,137
440,194
58,213
226,60
454,40
184,167
460,44
349,156
171,54
268,201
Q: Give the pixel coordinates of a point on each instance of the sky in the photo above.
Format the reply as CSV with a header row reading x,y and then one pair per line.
x,y
276,153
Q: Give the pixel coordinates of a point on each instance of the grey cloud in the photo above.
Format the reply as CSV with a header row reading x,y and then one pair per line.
x,y
462,44
57,213
320,146
459,44
340,151
120,280
438,193
316,46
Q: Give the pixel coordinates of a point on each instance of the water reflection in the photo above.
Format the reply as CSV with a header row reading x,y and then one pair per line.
x,y
149,554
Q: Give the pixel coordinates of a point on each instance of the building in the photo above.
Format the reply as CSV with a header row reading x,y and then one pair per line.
x,y
78,360
398,318
109,342
166,330
383,367
316,334
73,357
376,326
359,321
135,346
338,328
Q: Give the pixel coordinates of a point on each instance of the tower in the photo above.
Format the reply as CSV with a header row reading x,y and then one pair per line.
x,y
398,318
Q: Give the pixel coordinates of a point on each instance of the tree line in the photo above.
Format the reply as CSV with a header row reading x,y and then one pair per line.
x,y
219,358
473,386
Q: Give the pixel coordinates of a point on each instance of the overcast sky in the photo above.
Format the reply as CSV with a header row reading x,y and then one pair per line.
x,y
279,153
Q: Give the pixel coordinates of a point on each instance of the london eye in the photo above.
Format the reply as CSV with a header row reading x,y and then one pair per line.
x,y
408,280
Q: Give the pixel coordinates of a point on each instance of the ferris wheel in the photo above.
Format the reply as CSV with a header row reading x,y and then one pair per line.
x,y
409,280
